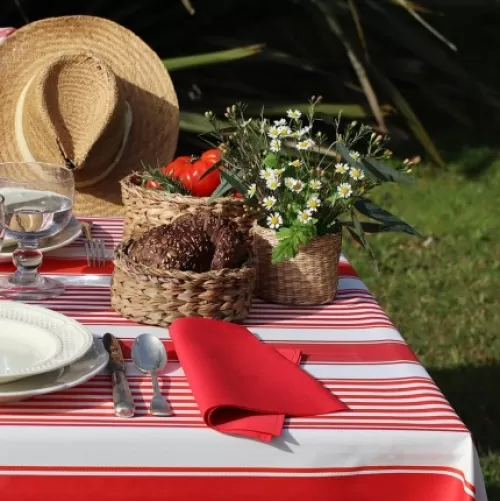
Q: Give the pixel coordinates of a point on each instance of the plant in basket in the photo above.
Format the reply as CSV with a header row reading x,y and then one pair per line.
x,y
307,189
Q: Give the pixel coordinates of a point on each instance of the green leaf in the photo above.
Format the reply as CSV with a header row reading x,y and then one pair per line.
x,y
385,173
223,188
374,168
358,231
223,56
271,161
234,181
344,152
374,211
283,251
284,233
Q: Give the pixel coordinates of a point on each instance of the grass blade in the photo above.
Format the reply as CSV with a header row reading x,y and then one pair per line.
x,y
359,27
413,9
356,62
412,119
223,56
349,110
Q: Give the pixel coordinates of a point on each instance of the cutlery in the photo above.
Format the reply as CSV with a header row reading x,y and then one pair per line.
x,y
149,356
122,397
94,247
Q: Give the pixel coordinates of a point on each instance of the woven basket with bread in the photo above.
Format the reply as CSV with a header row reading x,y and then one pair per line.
x,y
199,265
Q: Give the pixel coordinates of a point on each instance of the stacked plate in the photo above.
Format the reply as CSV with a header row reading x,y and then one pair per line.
x,y
42,351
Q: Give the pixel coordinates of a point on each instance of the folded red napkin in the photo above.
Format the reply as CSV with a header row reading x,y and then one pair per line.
x,y
241,385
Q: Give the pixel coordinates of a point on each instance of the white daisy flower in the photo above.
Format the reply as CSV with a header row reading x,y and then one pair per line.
x,y
274,221
273,183
289,182
251,190
284,130
302,131
275,145
273,132
356,174
344,190
296,163
313,203
266,174
280,122
307,144
298,186
315,184
341,168
268,202
354,155
304,216
293,114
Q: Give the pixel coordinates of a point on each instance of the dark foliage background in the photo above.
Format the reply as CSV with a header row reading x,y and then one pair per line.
x,y
392,62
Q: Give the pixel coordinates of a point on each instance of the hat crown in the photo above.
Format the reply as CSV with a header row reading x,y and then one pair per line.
x,y
72,113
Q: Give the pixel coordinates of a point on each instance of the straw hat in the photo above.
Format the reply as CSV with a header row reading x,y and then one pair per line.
x,y
87,93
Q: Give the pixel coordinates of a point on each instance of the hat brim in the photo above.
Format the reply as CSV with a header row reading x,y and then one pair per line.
x,y
144,80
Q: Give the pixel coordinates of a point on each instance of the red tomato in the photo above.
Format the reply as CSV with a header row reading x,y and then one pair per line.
x,y
174,168
153,185
208,184
211,156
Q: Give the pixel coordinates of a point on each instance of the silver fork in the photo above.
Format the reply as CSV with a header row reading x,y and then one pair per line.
x,y
94,247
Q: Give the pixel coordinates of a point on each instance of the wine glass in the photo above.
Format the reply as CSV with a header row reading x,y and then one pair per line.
x,y
38,200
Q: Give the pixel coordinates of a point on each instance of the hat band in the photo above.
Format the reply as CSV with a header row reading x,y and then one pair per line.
x,y
28,156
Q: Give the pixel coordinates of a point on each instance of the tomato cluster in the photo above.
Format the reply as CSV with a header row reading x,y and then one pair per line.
x,y
188,171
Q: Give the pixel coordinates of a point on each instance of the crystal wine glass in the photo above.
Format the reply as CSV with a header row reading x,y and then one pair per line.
x,y
38,200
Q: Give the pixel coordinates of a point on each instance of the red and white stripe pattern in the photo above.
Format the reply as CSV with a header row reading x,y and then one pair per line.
x,y
399,435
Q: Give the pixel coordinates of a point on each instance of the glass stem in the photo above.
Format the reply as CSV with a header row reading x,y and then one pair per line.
x,y
27,258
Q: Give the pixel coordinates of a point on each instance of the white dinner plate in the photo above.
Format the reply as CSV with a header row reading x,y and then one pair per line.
x,y
70,233
72,375
25,349
74,339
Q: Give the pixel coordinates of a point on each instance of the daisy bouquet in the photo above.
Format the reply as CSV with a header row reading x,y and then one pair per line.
x,y
304,184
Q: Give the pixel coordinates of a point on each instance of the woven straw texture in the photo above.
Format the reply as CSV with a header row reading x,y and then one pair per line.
x,y
147,208
157,297
310,278
90,98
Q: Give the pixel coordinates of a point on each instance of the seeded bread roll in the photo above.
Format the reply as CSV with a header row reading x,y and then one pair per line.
x,y
192,243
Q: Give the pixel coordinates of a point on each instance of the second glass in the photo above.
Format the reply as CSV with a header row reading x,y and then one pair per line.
x,y
38,202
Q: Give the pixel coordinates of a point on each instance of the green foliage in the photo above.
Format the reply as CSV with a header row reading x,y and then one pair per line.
x,y
290,240
373,59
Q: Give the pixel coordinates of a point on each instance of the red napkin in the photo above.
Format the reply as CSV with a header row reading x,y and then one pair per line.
x,y
241,385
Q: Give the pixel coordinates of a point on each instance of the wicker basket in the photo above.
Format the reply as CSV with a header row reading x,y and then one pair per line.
x,y
145,208
158,297
310,278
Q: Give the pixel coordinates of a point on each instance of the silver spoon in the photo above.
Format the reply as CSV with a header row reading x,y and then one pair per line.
x,y
149,356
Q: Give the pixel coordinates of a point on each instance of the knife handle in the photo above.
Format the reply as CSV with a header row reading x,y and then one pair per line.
x,y
122,397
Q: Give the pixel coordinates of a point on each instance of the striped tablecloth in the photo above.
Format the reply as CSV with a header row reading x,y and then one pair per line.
x,y
401,440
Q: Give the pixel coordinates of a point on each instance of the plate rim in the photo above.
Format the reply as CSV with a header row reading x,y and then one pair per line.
x,y
14,373
34,392
89,338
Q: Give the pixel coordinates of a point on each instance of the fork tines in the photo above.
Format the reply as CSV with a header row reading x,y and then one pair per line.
x,y
96,252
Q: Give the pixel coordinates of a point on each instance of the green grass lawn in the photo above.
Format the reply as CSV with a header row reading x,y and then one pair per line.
x,y
443,293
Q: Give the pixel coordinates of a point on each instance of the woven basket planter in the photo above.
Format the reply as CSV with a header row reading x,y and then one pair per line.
x,y
310,278
146,208
157,296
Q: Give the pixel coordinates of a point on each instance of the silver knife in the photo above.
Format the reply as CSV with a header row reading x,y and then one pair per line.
x,y
122,396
